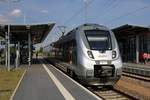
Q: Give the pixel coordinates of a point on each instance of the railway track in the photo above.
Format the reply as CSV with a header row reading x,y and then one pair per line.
x,y
135,76
108,93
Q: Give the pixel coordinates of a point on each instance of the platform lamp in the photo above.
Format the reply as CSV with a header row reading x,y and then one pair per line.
x,y
85,13
8,34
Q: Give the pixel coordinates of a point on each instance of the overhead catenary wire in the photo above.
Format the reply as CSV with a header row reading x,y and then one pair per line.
x,y
128,13
111,6
106,4
78,12
70,19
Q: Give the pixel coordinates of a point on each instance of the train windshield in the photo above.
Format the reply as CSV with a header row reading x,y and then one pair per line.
x,y
99,39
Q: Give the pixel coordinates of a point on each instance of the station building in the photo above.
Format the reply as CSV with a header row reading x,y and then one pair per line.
x,y
134,42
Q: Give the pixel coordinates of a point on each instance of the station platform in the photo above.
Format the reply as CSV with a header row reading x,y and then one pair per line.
x,y
138,69
142,66
42,81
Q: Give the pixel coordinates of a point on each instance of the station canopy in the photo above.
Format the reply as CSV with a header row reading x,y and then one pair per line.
x,y
127,30
20,32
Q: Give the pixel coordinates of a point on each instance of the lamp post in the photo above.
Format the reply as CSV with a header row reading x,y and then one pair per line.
x,y
24,19
8,47
7,36
8,42
85,13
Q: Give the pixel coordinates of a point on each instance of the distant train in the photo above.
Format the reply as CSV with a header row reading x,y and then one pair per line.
x,y
93,53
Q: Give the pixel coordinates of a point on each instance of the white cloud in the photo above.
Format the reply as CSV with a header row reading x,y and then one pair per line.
x,y
86,0
16,13
44,11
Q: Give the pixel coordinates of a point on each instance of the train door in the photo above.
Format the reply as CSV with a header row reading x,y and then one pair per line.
x,y
74,53
70,48
65,52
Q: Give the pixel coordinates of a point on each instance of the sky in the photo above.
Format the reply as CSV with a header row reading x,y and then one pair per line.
x,y
71,13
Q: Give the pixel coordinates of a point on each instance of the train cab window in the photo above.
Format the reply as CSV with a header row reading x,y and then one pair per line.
x,y
99,39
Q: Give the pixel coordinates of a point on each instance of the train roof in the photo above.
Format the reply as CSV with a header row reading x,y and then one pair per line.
x,y
71,34
93,25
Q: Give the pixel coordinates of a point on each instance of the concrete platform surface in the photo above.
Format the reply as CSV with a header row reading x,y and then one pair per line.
x,y
44,82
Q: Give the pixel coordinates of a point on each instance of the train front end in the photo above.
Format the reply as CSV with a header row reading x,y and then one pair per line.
x,y
99,61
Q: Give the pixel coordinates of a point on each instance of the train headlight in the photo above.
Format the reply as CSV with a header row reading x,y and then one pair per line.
x,y
114,54
90,54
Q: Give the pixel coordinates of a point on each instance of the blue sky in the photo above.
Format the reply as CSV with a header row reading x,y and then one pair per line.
x,y
71,13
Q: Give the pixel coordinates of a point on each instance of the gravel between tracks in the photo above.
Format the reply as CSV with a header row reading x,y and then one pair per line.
x,y
134,87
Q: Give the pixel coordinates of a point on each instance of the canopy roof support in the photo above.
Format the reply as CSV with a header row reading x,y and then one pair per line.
x,y
25,34
8,48
29,47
